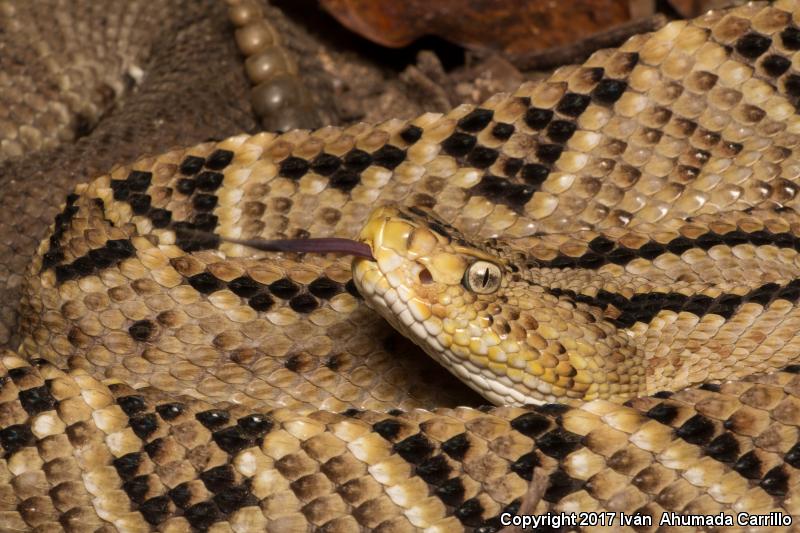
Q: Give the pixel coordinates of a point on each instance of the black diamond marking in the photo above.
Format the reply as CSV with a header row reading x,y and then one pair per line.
x,y
232,499
261,302
388,429
524,466
537,118
753,45
191,165
82,266
679,245
458,144
202,515
244,286
792,85
284,288
52,258
325,164
121,189
470,512
293,363
573,104
218,478
482,157
434,470
560,485
590,260
558,443
17,374
502,131
293,168
621,256
697,430
549,153
763,295
144,425
186,186
792,457
205,222
324,288
512,166
791,38
15,437
219,159
136,488
351,288
170,411
140,203
560,131
608,91
139,180
792,369
209,181
601,245
128,465
530,424
232,439
389,156
255,425
451,492
414,449
749,465
37,400
155,510
476,120
213,419
141,330
190,241
205,283
503,191
357,160
181,495
153,447
551,409
776,482
345,180
776,65
724,448
160,218
411,134
132,405
204,202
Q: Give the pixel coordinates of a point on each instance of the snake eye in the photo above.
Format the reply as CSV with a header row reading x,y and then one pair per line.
x,y
482,277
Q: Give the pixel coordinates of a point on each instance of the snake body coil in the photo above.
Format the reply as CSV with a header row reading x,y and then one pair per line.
x,y
625,227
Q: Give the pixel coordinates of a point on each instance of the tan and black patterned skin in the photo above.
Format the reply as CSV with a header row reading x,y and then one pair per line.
x,y
87,84
650,193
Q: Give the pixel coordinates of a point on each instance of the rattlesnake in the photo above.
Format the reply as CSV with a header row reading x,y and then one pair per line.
x,y
625,226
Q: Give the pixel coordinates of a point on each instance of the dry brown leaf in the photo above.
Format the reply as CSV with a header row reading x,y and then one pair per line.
x,y
511,26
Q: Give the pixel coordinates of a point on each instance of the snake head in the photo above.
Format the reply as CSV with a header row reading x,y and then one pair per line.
x,y
466,307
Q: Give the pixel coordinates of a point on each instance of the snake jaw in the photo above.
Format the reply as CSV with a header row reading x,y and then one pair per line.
x,y
416,284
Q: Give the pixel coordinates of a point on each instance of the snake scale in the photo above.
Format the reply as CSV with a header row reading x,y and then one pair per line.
x,y
609,255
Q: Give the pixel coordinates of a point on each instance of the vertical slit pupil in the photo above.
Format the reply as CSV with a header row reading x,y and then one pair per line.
x,y
486,276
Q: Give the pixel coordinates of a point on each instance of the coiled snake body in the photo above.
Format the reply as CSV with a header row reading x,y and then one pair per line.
x,y
625,227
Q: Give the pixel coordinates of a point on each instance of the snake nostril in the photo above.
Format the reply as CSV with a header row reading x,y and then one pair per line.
x,y
425,276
